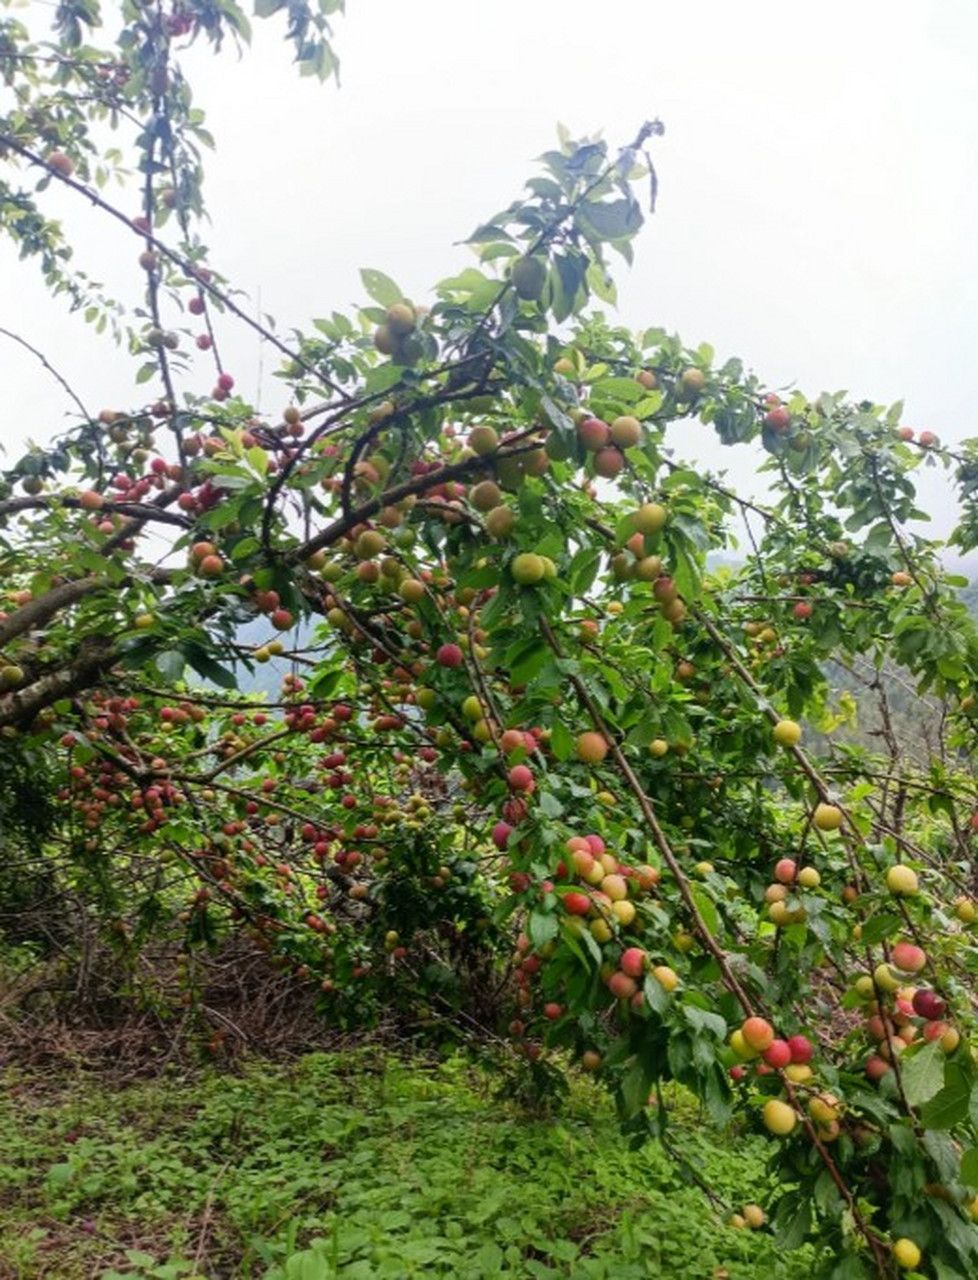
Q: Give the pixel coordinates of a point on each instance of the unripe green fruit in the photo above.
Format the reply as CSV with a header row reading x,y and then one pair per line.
x,y
650,517
500,522
902,880
485,496
779,1118
529,275
885,978
370,544
536,462
472,708
906,1254
827,817
648,568
401,319
384,340
483,440
410,349
787,733
509,472
557,447
623,565
528,569
626,431
740,1046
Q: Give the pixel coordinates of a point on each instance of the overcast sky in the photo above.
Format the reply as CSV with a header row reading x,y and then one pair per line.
x,y
818,184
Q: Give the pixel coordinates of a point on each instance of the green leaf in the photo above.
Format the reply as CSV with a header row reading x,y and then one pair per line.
x,y
380,287
488,231
257,459
655,994
170,664
705,1020
562,742
206,667
570,271
851,1267
878,927
60,1173
706,908
488,1259
612,219
533,657
949,1106
634,1089
969,1167
541,927
550,805
922,1073
584,569
626,389
793,1223
601,284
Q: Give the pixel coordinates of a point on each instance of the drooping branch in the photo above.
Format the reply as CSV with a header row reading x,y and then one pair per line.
x,y
96,655
39,612
658,834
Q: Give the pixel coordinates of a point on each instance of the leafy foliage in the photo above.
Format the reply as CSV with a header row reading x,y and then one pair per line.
x,y
359,1164
532,764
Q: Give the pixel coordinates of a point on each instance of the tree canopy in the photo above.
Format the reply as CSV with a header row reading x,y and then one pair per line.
x,y
553,747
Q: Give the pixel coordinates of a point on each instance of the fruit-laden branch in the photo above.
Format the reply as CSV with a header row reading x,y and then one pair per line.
x,y
341,527
814,777
137,512
649,129
930,603
96,656
186,266
661,840
22,707
864,1228
853,835
711,943
338,421
37,613
811,773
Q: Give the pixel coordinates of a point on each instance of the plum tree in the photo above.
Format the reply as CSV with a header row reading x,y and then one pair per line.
x,y
518,726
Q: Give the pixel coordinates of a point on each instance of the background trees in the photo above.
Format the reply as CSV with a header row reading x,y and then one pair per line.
x,y
552,745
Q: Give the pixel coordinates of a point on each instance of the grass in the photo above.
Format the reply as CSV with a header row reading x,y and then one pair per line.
x,y
358,1165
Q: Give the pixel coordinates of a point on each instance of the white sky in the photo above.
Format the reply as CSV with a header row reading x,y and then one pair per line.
x,y
818,184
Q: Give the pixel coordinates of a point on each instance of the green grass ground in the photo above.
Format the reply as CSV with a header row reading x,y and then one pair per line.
x,y
359,1165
